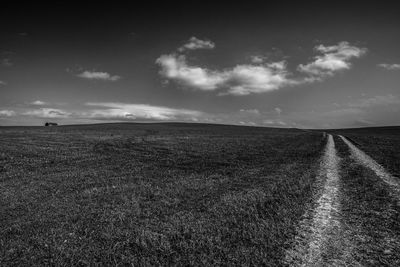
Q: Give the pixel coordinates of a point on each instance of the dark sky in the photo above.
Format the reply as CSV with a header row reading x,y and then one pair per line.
x,y
254,63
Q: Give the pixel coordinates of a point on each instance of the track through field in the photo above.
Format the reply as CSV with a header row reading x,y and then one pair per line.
x,y
370,163
320,239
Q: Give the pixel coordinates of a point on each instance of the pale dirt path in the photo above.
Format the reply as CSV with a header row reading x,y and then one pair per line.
x,y
390,240
320,239
368,162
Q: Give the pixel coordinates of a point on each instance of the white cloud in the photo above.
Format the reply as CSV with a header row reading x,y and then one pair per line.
x,y
2,83
257,59
139,111
251,111
258,77
248,123
280,65
194,44
389,66
38,103
94,75
7,113
240,80
247,79
278,111
332,59
47,113
175,67
275,122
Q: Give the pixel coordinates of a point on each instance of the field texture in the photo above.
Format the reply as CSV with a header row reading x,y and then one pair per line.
x,y
153,194
381,143
370,213
354,217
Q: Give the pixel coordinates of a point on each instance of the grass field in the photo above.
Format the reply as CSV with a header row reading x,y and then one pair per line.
x,y
153,194
370,213
196,194
381,143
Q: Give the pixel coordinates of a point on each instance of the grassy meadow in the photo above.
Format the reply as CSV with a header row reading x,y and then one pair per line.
x,y
153,194
380,143
370,210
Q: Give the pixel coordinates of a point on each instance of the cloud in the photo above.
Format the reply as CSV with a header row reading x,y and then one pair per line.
x,y
278,111
279,65
175,67
275,122
247,79
38,103
112,111
139,111
258,77
194,44
248,123
257,59
7,113
94,75
332,59
240,80
389,66
47,113
2,83
251,111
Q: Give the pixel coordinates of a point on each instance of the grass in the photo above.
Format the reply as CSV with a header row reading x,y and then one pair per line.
x,y
153,194
369,212
380,143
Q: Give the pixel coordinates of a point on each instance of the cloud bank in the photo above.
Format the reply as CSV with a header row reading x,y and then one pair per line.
x,y
7,113
47,113
258,77
105,110
389,66
113,111
240,80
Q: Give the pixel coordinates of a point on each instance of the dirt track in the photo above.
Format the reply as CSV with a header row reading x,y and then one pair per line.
x,y
335,231
320,239
368,162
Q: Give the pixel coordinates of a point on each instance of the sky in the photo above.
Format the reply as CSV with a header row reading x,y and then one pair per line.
x,y
304,65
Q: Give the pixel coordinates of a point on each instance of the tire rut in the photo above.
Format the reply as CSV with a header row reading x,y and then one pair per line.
x,y
365,160
321,239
